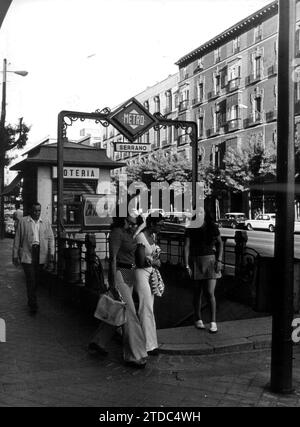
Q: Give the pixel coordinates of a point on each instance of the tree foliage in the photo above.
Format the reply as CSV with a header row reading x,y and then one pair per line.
x,y
241,168
161,167
12,137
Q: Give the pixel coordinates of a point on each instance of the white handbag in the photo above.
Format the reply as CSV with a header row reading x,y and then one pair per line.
x,y
110,310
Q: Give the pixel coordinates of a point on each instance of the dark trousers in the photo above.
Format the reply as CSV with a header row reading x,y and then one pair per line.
x,y
32,275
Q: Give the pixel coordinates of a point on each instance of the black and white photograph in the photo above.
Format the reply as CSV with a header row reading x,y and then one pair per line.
x,y
150,207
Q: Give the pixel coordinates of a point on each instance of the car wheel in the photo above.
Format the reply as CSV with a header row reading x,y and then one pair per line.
x,y
249,227
271,228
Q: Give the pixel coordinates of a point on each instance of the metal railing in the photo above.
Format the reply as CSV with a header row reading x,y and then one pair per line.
x,y
82,254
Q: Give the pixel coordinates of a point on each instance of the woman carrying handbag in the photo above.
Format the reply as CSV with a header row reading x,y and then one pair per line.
x,y
122,258
147,263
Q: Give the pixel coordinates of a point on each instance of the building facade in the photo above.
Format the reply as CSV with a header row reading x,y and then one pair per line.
x,y
228,86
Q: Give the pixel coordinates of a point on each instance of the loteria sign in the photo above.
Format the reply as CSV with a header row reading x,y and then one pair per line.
x,y
77,173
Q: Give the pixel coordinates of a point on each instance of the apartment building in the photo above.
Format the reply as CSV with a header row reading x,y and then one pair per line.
x,y
229,87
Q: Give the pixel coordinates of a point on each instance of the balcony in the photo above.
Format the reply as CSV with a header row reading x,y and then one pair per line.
x,y
197,101
271,116
165,143
251,79
272,71
213,94
233,84
234,124
167,110
255,119
183,140
184,105
210,132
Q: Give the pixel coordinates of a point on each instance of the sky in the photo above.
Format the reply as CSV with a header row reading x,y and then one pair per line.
x,y
85,55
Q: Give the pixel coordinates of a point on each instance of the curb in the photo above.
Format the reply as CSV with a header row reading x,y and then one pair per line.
x,y
234,346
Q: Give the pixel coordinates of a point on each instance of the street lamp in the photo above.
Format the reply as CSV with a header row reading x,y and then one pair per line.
x,y
2,147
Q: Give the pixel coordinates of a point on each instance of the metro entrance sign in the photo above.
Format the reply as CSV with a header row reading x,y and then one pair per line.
x,y
132,147
132,119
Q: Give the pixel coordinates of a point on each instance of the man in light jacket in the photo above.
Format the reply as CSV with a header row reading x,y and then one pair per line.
x,y
34,247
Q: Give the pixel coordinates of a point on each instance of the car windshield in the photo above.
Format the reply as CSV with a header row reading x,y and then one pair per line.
x,y
234,216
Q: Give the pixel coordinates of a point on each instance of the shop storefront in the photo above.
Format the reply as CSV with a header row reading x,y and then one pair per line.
x,y
86,171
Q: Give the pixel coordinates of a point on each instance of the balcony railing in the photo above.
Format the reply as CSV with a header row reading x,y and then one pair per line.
x,y
272,71
253,78
234,84
198,100
212,132
234,124
271,116
213,94
168,110
254,119
184,105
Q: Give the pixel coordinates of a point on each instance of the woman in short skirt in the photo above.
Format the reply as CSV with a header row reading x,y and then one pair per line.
x,y
204,247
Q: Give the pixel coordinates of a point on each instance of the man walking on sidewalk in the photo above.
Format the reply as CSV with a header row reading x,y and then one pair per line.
x,y
34,247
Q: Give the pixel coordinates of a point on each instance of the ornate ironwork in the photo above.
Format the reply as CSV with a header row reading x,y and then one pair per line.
x,y
105,111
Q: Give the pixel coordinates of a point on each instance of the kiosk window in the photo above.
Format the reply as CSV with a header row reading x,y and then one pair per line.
x,y
73,189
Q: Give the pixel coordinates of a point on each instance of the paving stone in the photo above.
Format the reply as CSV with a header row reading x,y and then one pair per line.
x,y
44,361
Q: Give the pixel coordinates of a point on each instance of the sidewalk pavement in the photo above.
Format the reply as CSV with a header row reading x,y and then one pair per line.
x,y
44,361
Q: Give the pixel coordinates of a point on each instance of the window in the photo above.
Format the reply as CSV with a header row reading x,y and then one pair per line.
x,y
217,54
223,77
199,65
257,66
156,139
217,83
200,92
258,33
297,41
234,112
146,105
156,104
217,156
234,72
200,126
236,44
168,101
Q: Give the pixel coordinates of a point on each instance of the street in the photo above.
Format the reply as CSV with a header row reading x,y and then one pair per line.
x,y
262,241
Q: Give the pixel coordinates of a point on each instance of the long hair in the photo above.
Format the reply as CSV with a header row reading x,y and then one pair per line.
x,y
153,220
209,227
117,222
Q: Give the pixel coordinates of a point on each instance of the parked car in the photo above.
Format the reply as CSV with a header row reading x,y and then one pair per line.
x,y
233,220
177,221
264,221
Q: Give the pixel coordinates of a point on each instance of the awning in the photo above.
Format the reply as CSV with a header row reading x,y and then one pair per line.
x,y
10,187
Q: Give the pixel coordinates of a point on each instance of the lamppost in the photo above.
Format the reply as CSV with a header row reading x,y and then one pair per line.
x,y
2,146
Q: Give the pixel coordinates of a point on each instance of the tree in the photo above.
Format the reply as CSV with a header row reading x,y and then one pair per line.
x,y
252,164
161,167
10,137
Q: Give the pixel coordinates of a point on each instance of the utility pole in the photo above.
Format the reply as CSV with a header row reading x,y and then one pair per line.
x,y
2,149
282,310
